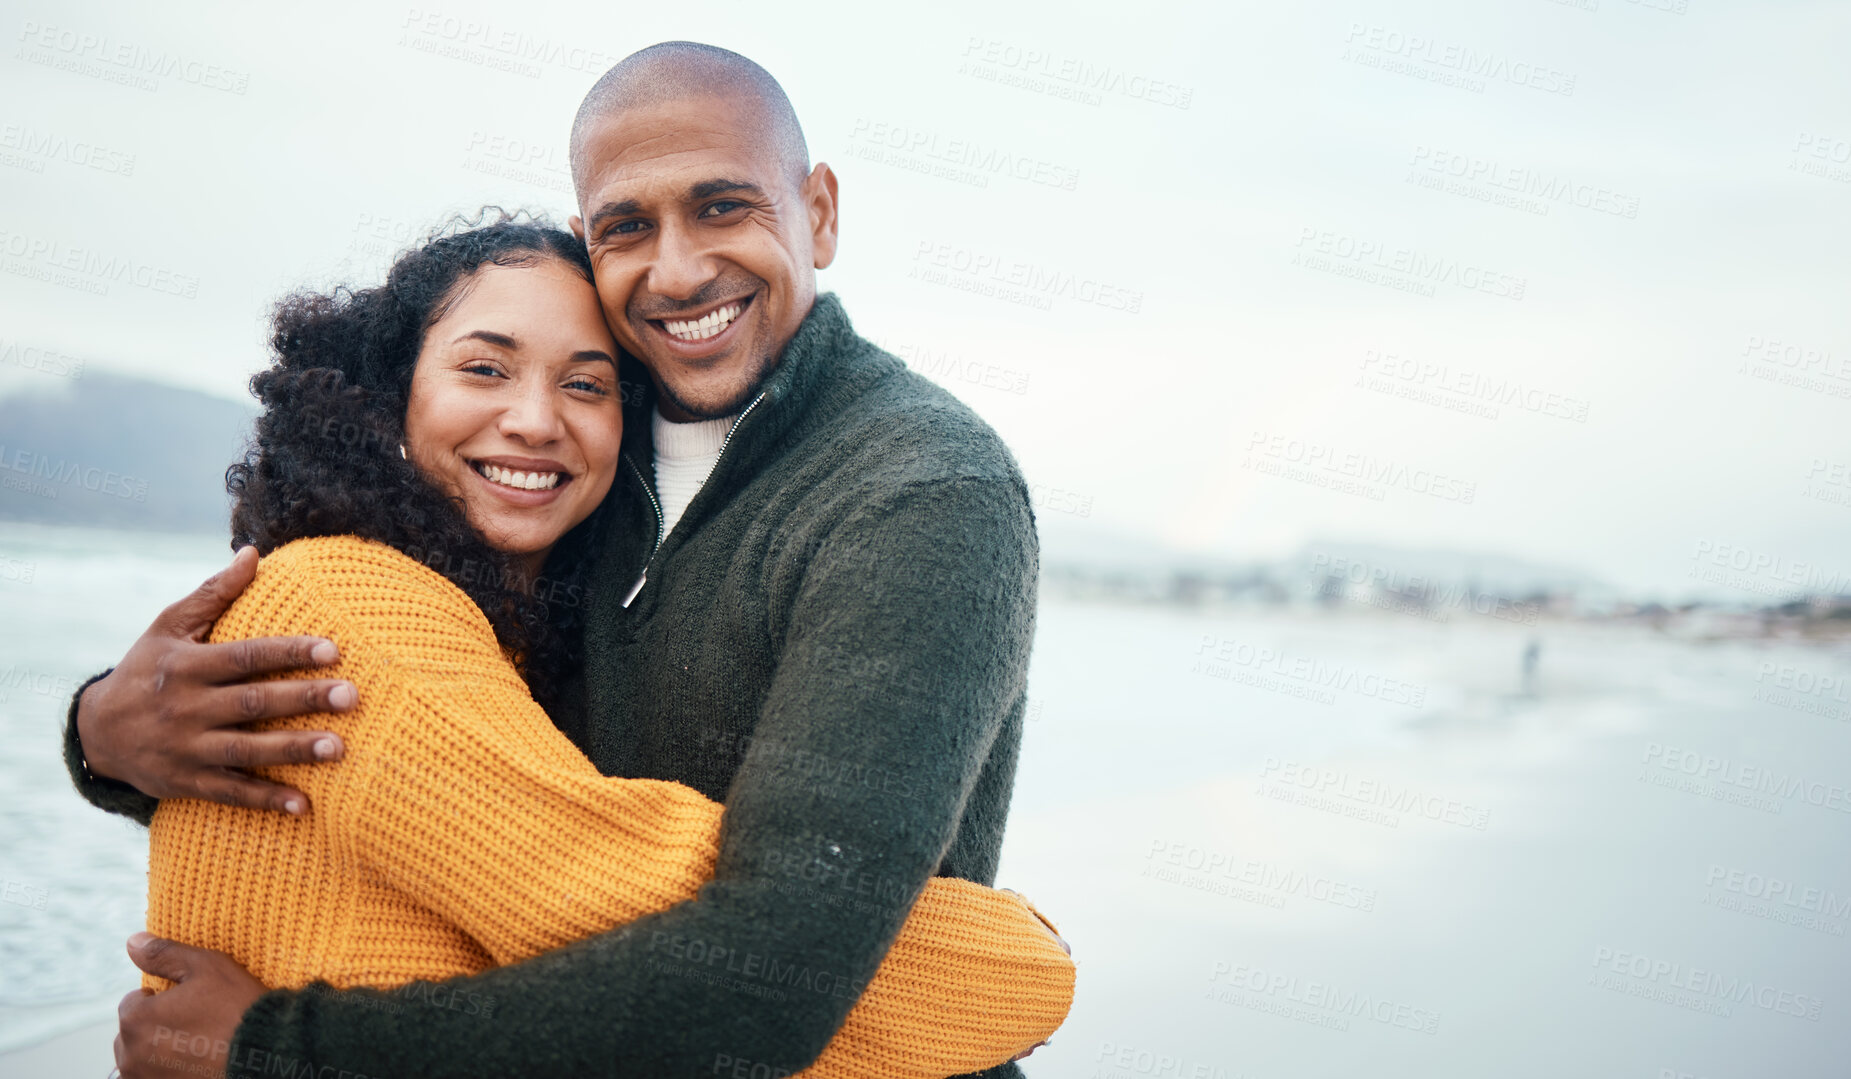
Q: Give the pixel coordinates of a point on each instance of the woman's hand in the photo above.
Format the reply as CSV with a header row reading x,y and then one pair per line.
x,y
186,1030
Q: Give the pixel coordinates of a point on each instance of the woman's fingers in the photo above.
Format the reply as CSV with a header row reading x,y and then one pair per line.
x,y
1024,1054
1043,919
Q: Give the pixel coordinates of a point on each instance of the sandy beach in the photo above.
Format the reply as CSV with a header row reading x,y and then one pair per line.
x,y
1283,843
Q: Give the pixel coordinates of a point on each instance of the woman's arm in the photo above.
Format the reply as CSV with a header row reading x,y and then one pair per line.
x,y
459,791
480,809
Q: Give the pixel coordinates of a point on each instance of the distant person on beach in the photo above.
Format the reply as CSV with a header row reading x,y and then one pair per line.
x,y
810,597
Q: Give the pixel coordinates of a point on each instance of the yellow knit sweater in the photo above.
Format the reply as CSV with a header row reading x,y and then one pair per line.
x,y
462,830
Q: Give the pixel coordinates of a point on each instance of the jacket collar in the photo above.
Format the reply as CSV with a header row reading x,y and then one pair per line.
x,y
825,364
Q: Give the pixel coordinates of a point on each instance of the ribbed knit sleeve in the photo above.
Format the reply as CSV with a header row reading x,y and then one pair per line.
x,y
460,793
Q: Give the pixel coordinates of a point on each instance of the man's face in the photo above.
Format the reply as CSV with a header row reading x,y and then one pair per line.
x,y
705,247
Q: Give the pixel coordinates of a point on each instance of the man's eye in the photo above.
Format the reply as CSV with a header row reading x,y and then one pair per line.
x,y
623,228
721,207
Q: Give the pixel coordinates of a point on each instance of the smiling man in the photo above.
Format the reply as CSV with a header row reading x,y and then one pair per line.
x,y
816,606
704,220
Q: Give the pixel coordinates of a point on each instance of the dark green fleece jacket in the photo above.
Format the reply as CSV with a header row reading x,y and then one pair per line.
x,y
834,641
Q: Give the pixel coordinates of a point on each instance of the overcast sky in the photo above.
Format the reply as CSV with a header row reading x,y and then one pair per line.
x,y
1565,281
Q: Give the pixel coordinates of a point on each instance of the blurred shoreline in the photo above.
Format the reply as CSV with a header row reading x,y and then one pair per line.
x,y
1380,579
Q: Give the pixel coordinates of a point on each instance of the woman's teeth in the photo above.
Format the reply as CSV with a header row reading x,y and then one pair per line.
x,y
702,328
526,481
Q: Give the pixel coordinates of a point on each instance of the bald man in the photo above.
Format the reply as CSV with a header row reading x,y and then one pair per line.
x,y
817,607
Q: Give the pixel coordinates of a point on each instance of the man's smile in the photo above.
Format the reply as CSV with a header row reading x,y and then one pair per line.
x,y
706,334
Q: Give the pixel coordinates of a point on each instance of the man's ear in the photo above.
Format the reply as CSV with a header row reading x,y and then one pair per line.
x,y
819,195
578,227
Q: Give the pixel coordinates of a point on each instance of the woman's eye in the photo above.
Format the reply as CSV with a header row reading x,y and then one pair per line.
x,y
585,384
482,369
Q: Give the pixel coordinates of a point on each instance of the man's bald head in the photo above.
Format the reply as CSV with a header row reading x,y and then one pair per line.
x,y
675,70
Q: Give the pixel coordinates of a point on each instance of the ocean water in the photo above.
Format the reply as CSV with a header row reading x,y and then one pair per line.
x,y
73,880
1281,843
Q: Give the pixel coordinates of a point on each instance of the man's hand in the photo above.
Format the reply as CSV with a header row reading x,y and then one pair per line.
x,y
161,722
186,1030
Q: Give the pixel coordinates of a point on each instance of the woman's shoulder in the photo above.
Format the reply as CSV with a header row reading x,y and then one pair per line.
x,y
359,584
339,556
351,565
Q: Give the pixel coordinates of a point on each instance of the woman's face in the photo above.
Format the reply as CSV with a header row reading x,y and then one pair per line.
x,y
515,406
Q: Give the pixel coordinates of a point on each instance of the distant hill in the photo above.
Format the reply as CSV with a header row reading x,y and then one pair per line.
x,y
116,452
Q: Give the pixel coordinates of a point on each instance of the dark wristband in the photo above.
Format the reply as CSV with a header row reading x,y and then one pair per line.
x,y
73,741
110,795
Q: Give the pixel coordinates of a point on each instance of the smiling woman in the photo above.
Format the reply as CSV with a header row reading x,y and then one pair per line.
x,y
485,347
522,428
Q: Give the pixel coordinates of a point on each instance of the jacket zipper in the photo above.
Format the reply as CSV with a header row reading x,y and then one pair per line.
x,y
656,503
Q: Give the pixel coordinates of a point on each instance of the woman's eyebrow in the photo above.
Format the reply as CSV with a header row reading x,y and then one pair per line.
x,y
499,340
586,354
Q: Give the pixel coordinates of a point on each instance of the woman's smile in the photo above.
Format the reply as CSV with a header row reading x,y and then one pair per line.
x,y
511,476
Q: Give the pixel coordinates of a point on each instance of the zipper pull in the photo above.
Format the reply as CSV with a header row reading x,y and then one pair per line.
x,y
635,588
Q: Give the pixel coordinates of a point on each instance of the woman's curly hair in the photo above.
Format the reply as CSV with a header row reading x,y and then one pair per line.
x,y
326,456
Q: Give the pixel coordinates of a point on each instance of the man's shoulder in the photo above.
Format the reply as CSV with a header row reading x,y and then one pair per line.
x,y
907,428
910,461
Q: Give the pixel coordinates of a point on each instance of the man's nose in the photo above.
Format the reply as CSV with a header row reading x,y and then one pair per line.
x,y
682,264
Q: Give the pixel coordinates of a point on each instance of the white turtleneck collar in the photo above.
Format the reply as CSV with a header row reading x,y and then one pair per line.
x,y
685,454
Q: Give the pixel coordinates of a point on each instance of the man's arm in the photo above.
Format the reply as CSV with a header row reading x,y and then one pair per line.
x,y
887,697
162,723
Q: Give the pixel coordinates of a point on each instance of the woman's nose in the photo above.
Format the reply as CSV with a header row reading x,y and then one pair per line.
x,y
532,416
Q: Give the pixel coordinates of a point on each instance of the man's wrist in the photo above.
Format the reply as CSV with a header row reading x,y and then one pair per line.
x,y
77,732
111,795
258,1036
